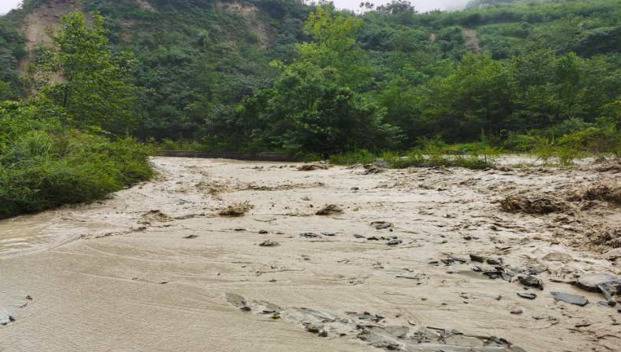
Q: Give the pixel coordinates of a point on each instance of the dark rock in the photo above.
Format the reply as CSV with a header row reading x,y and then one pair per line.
x,y
381,225
190,237
329,234
330,209
477,258
450,260
394,242
366,316
527,295
314,328
263,232
531,281
569,298
269,243
494,261
309,235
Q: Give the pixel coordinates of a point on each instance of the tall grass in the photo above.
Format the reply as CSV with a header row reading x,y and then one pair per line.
x,y
44,166
430,153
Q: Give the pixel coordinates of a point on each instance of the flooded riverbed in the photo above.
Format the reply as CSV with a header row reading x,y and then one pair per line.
x,y
412,260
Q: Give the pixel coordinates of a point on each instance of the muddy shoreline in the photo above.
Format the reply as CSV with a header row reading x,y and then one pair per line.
x,y
224,255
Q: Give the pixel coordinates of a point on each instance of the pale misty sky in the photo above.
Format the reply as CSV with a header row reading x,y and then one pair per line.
x,y
7,5
421,5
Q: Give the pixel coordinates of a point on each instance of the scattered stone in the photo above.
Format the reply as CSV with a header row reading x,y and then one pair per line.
x,y
263,232
558,257
527,295
330,209
613,254
450,260
531,281
517,311
316,329
569,298
236,210
366,316
381,225
269,243
477,258
5,317
329,234
190,237
394,242
358,236
309,235
493,273
494,261
540,204
238,301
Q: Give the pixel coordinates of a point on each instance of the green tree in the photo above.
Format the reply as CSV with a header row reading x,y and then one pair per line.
x,y
475,99
90,83
335,46
306,111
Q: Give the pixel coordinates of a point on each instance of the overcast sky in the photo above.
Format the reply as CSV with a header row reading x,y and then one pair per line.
x,y
421,5
6,5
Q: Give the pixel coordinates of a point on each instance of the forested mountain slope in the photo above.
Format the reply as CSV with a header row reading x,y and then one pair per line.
x,y
203,67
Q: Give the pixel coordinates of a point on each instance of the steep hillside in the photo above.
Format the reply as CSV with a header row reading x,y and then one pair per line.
x,y
195,61
194,54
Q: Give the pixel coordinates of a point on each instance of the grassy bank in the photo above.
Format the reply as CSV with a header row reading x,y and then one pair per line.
x,y
44,165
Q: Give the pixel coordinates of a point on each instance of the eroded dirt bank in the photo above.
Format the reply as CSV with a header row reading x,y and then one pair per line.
x,y
412,260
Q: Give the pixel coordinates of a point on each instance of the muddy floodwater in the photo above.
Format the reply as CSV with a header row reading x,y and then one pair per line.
x,y
220,255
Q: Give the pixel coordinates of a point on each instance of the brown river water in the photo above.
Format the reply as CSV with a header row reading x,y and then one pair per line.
x,y
395,266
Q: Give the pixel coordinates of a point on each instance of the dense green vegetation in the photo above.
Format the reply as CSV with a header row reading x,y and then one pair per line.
x,y
52,149
539,76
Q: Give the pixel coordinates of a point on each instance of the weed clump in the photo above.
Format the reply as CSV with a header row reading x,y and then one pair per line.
x,y
236,210
539,204
330,209
604,192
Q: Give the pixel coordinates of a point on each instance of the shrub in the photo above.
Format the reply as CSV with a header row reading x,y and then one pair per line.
x,y
42,166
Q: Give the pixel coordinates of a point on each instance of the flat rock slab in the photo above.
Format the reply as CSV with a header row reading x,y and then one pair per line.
x,y
592,282
5,317
571,299
613,254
